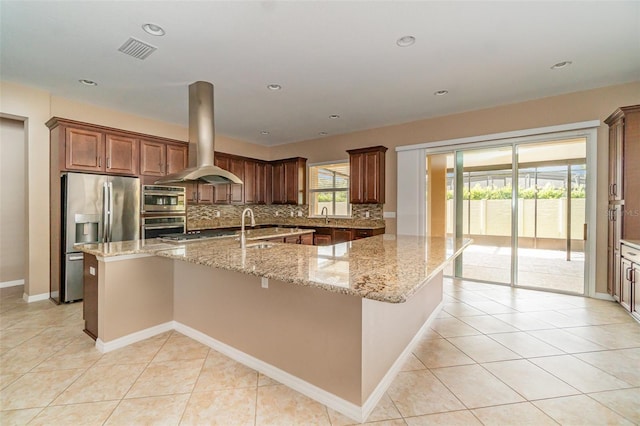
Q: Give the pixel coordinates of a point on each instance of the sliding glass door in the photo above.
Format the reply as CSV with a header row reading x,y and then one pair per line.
x,y
523,204
551,215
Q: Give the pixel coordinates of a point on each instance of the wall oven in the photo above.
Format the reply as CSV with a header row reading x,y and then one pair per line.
x,y
163,199
153,226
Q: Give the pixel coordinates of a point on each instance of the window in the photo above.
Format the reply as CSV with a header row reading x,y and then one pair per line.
x,y
329,187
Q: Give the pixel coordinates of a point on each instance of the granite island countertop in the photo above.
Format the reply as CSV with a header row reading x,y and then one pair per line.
x,y
387,268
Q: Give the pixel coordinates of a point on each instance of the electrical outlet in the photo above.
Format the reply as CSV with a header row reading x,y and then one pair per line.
x,y
217,213
264,282
299,213
277,213
366,214
291,213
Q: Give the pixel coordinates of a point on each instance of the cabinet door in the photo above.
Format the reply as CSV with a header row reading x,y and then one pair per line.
x,y
205,193
153,158
356,174
84,150
371,178
306,239
342,235
221,193
249,179
635,290
291,182
121,154
90,295
625,283
322,240
278,188
295,239
236,166
177,158
260,182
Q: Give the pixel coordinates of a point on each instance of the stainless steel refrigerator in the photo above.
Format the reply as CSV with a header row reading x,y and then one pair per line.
x,y
95,209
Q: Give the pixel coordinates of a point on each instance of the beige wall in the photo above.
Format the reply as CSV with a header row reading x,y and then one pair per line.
x,y
32,105
594,104
13,201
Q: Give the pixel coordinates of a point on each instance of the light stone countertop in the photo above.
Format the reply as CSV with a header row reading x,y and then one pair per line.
x,y
387,268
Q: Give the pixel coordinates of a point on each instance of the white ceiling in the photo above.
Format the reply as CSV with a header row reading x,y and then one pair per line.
x,y
330,57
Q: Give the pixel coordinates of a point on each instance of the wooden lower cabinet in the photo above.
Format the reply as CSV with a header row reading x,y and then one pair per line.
x,y
306,239
342,235
90,296
629,271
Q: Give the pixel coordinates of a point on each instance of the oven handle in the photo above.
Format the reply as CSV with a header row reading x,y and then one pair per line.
x,y
176,193
162,226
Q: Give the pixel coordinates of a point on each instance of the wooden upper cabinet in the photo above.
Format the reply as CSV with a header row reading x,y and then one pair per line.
x,y
278,187
221,193
153,158
236,166
616,133
177,158
84,150
121,154
289,179
250,187
367,175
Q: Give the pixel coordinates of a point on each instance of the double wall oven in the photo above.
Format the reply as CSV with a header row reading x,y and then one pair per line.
x,y
164,210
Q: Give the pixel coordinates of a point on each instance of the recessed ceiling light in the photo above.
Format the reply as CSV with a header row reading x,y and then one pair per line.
x,y
334,116
153,29
440,92
264,132
323,133
560,65
88,82
406,41
274,87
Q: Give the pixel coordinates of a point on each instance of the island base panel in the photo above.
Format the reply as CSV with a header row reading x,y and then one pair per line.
x,y
133,295
308,332
388,329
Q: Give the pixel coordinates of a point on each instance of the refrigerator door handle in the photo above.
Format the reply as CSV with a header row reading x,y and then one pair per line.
x,y
105,212
110,211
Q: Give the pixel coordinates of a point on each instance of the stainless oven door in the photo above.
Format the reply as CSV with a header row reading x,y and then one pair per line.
x,y
166,199
153,226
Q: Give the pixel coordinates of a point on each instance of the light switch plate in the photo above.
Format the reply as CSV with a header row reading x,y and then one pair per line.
x,y
265,282
92,270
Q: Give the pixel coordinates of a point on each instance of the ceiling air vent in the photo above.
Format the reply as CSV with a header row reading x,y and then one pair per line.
x,y
136,48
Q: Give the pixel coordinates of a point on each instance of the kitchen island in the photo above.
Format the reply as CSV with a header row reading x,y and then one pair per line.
x,y
334,322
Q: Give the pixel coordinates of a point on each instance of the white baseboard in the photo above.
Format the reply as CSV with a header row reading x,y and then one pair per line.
x,y
35,297
327,398
133,337
604,296
13,283
377,394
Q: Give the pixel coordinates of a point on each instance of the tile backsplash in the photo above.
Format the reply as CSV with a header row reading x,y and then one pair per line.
x,y
224,215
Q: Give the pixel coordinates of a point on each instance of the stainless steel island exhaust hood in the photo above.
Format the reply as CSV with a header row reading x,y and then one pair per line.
x,y
201,141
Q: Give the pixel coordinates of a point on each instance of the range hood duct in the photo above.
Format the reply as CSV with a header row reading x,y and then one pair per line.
x,y
201,141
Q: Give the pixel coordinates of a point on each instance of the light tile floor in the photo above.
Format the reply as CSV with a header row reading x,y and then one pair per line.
x,y
494,356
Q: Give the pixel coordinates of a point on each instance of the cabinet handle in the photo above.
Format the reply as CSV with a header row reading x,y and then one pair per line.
x,y
610,189
108,162
99,161
614,189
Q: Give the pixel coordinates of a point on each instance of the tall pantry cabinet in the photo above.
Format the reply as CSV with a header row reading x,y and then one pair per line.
x,y
624,197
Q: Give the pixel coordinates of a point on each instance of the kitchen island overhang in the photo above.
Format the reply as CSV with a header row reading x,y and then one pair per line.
x,y
334,323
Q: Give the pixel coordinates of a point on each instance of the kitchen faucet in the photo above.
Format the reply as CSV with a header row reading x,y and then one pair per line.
x,y
243,238
325,212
